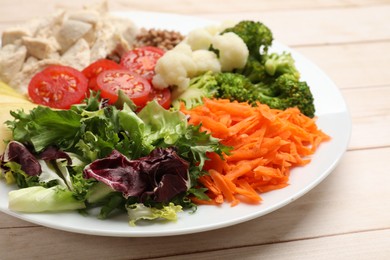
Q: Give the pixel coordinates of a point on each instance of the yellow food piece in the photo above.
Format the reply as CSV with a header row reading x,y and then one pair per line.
x,y
10,100
6,90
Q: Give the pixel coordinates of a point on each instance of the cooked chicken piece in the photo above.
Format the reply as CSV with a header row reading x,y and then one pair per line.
x,y
101,7
21,79
54,55
12,58
87,16
40,47
48,26
64,38
99,50
70,32
90,37
121,28
114,36
77,56
30,61
11,35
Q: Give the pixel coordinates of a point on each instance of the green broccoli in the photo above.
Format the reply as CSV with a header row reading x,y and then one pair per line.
x,y
280,93
286,91
257,37
233,86
269,67
202,86
260,64
254,70
277,64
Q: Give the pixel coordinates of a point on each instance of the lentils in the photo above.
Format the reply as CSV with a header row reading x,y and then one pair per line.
x,y
164,39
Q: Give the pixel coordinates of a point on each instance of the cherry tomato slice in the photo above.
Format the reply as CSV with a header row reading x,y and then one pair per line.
x,y
142,60
163,97
109,82
95,68
58,87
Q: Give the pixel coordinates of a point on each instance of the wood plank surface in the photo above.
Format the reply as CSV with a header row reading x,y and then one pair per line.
x,y
353,65
361,246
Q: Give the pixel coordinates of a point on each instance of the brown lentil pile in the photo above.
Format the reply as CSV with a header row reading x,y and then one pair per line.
x,y
163,39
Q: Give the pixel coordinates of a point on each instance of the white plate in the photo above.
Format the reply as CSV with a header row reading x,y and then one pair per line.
x,y
333,118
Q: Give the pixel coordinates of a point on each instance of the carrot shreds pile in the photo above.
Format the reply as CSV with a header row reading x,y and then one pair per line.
x,y
266,144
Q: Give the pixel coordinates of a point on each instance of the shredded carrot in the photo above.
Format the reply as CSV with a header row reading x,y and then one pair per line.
x,y
266,143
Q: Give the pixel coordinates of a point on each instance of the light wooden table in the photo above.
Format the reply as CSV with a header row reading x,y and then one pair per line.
x,y
347,216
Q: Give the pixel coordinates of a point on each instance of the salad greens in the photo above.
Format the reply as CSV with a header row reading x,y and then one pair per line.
x,y
95,155
39,199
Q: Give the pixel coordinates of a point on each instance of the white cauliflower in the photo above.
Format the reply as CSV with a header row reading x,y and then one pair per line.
x,y
199,39
205,61
233,52
192,57
174,68
218,28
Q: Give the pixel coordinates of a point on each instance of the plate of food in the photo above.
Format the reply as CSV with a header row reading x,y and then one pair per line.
x,y
113,163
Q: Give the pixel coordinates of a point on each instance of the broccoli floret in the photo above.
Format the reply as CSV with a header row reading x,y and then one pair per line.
x,y
254,70
286,91
281,93
277,64
269,67
227,85
256,36
202,86
233,86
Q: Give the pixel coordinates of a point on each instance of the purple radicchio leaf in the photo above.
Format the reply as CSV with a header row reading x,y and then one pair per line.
x,y
17,152
119,173
160,176
167,174
52,153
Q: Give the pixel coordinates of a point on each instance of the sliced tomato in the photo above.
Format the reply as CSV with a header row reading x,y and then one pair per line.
x,y
162,96
58,87
137,88
142,60
95,68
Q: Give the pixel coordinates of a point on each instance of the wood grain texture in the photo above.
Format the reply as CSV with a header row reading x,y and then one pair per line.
x,y
361,246
347,216
353,65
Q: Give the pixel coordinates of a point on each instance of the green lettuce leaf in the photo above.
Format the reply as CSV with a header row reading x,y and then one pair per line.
x,y
139,211
41,199
55,170
134,128
15,175
44,127
162,125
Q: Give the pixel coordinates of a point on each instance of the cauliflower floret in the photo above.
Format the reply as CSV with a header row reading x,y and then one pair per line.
x,y
199,39
218,28
192,57
205,61
174,68
233,52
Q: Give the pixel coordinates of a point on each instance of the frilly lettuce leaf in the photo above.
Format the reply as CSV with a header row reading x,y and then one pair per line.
x,y
44,127
139,211
162,124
